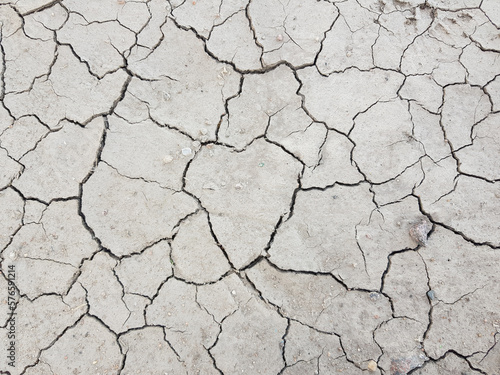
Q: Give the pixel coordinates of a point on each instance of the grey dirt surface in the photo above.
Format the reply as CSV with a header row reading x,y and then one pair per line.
x,y
260,187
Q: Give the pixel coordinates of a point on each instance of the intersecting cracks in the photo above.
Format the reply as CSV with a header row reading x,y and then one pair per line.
x,y
283,25
219,324
140,179
386,272
282,219
51,344
254,33
122,294
323,38
16,30
88,23
286,151
228,19
226,108
152,48
464,296
16,162
283,315
414,39
203,41
455,183
446,226
436,360
212,232
55,29
42,7
496,338
45,75
37,142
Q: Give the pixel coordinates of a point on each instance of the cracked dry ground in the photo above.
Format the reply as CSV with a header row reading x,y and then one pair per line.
x,y
229,186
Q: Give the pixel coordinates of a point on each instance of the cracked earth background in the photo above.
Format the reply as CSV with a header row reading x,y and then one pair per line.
x,y
227,187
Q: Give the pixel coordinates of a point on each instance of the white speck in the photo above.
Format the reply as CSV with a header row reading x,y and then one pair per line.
x,y
279,38
186,151
238,186
168,159
12,255
203,131
233,292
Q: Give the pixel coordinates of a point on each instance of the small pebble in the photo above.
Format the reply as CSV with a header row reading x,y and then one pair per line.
x,y
372,365
186,151
374,296
420,230
431,294
279,38
168,159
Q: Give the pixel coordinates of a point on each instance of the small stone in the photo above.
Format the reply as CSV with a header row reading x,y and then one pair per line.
x,y
279,38
374,296
168,159
238,186
186,151
372,365
431,294
420,230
